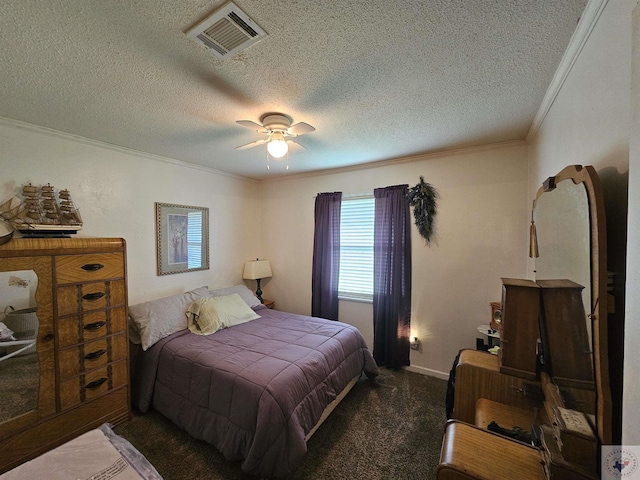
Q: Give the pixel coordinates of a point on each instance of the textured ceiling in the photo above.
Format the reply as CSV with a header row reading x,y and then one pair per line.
x,y
377,78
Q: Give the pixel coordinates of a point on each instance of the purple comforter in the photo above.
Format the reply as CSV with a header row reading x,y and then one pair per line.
x,y
256,389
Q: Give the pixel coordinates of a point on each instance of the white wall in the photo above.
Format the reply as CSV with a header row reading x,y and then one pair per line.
x,y
116,191
481,225
631,398
481,235
589,124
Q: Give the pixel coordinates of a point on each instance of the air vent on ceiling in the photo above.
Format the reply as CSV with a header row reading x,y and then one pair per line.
x,y
227,31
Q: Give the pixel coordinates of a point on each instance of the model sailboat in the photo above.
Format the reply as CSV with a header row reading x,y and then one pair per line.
x,y
40,212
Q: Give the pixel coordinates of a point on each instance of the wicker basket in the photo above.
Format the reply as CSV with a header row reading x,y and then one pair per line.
x,y
24,324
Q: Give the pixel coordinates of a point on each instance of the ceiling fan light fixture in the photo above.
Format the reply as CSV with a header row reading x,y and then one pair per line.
x,y
278,128
277,145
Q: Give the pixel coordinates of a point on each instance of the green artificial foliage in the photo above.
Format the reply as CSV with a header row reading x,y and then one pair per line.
x,y
423,198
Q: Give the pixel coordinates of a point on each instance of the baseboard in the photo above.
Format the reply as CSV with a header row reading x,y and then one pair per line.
x,y
428,371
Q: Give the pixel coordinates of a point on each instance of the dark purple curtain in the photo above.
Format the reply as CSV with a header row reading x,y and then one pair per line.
x,y
326,256
391,276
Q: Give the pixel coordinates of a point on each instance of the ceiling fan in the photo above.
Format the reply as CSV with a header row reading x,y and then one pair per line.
x,y
279,131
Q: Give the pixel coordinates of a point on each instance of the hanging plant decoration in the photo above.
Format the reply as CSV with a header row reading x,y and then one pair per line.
x,y
423,198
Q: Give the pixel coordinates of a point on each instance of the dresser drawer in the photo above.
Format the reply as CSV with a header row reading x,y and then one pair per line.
x,y
88,267
89,356
90,326
78,329
83,388
86,297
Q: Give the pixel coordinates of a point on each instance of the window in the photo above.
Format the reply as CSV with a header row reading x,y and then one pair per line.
x,y
194,239
356,248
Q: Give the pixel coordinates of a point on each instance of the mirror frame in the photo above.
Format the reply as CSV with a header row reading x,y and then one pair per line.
x,y
587,176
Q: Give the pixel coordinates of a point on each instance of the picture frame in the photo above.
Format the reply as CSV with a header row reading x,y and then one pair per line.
x,y
182,238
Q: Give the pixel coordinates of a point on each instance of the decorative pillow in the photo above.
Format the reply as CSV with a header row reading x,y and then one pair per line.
x,y
202,318
160,318
242,290
232,310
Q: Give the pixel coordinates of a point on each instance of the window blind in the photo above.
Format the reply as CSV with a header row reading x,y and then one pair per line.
x,y
356,248
194,239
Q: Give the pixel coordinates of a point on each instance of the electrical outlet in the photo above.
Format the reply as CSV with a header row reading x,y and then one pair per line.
x,y
415,344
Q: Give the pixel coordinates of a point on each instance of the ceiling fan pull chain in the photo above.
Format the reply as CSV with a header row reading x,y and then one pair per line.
x,y
287,159
267,159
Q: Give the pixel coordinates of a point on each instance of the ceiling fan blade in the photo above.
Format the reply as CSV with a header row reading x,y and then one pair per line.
x,y
300,129
252,144
252,125
293,145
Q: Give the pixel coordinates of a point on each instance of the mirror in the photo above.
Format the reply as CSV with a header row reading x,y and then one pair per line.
x,y
19,366
562,221
568,214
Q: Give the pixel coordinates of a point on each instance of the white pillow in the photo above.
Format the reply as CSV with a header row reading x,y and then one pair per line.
x,y
160,318
242,290
232,310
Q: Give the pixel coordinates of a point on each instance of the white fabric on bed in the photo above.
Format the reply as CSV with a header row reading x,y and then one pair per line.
x,y
232,310
202,318
208,315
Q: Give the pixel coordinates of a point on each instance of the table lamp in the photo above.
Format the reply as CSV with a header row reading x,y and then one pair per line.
x,y
257,270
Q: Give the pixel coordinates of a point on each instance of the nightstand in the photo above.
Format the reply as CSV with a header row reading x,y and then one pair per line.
x,y
268,303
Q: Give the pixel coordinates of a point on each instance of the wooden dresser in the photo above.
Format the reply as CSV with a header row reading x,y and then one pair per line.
x,y
478,375
568,376
82,344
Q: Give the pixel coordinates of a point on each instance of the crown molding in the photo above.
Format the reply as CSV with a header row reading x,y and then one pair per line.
x,y
587,22
12,123
400,160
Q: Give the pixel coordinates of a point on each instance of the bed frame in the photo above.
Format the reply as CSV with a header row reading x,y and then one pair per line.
x,y
332,406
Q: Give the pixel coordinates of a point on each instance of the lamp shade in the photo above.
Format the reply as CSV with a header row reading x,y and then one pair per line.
x,y
257,269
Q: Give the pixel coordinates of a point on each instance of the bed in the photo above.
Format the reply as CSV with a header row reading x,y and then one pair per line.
x,y
97,454
255,389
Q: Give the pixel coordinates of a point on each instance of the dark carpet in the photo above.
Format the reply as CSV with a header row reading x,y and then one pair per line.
x,y
19,382
387,429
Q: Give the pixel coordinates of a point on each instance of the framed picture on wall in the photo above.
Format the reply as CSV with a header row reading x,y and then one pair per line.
x,y
182,238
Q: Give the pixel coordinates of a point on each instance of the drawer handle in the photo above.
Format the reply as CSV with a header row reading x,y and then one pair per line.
x,y
95,384
93,296
48,337
92,267
94,355
92,327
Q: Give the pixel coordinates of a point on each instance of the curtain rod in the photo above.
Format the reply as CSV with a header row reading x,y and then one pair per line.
x,y
354,195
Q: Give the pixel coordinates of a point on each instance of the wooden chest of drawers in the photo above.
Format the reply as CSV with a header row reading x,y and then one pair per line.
x,y
519,330
90,303
82,342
